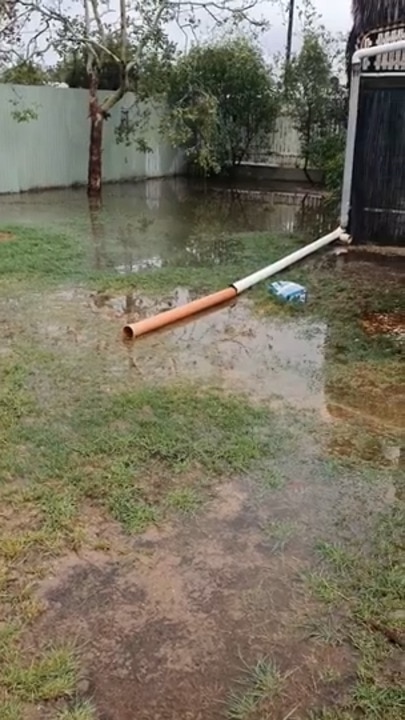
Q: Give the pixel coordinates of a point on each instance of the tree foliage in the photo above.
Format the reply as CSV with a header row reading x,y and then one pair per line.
x,y
116,43
317,102
222,99
25,72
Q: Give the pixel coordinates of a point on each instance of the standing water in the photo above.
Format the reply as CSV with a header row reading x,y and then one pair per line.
x,y
159,222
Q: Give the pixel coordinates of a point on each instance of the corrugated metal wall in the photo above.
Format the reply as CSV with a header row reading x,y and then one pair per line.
x,y
378,195
51,150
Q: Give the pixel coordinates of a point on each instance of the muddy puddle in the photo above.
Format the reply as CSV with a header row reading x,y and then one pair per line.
x,y
232,348
171,624
240,351
172,621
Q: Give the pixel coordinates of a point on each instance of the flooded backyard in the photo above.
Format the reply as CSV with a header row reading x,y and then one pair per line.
x,y
166,222
201,524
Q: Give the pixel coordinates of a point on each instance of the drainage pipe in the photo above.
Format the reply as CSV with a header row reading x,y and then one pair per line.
x,y
170,317
357,61
250,280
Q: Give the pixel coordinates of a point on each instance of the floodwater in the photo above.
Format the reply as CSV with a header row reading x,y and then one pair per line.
x,y
167,620
161,222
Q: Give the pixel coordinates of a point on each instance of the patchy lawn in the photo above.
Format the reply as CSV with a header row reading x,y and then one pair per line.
x,y
207,541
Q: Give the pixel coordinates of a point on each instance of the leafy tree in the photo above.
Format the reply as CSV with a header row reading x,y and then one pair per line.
x,y
9,29
25,72
317,102
131,34
222,99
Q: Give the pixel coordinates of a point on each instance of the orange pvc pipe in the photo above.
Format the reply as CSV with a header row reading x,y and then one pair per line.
x,y
180,313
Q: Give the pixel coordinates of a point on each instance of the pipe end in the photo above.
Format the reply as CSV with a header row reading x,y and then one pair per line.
x,y
128,333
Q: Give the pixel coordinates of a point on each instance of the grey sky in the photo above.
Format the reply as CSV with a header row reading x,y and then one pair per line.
x,y
336,16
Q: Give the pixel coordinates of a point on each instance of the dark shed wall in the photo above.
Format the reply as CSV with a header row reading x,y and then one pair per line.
x,y
378,189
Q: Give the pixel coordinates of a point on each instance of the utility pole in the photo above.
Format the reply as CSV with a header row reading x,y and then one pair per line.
x,y
290,32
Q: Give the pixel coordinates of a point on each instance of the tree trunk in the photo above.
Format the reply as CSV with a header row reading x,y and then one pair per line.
x,y
96,141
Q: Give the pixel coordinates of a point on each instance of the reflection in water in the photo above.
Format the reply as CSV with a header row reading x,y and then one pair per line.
x,y
232,347
162,222
97,230
131,267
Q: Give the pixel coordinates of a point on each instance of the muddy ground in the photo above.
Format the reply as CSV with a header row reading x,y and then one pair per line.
x,y
203,595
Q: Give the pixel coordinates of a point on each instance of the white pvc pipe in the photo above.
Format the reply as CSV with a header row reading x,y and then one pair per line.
x,y
350,147
247,282
375,50
357,60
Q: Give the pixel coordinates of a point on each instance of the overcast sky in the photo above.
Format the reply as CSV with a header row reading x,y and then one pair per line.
x,y
336,16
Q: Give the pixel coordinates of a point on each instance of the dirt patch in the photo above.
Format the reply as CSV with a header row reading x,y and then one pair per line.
x,y
385,323
168,627
371,265
379,250
6,237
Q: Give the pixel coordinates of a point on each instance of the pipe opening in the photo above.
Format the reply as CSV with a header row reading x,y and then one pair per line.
x,y
128,332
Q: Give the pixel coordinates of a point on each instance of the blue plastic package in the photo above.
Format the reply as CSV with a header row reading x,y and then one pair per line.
x,y
288,291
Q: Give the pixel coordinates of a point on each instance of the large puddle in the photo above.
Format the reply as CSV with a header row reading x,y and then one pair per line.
x,y
232,348
166,222
169,619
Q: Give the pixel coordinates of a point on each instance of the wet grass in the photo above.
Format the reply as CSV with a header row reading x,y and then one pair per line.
x,y
132,455
260,684
80,711
75,440
279,533
36,256
26,677
367,588
127,451
186,500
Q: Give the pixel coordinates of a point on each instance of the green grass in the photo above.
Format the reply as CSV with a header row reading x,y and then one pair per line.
x,y
325,630
326,714
80,711
126,450
260,683
272,479
75,433
52,257
38,254
49,677
368,587
323,587
279,533
373,583
186,500
11,710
